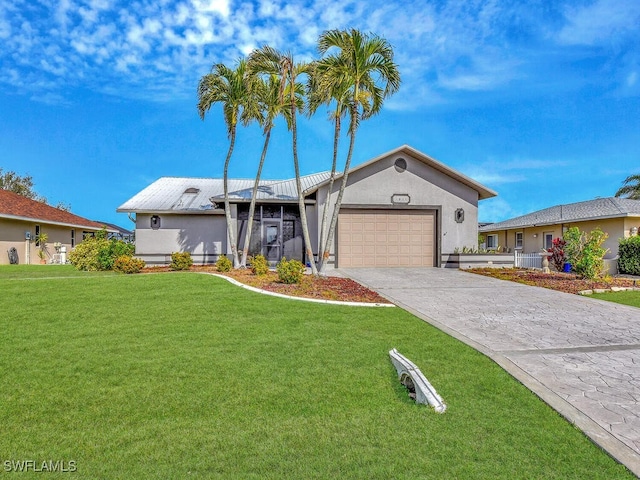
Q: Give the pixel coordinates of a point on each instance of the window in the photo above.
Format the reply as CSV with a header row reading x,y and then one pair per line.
x,y
519,239
73,238
37,235
548,240
492,242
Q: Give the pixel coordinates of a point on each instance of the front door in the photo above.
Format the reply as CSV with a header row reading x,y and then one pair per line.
x,y
271,241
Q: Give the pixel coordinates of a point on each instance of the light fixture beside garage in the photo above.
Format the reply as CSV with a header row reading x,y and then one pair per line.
x,y
459,215
155,222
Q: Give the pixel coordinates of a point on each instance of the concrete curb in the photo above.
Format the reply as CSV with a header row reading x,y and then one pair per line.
x,y
289,297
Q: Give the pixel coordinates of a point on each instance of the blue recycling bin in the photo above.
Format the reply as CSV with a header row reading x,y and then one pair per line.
x,y
566,268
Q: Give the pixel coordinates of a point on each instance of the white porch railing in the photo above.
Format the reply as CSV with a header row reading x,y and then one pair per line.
x,y
528,260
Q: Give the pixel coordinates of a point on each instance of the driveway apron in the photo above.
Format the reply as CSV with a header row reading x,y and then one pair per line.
x,y
580,355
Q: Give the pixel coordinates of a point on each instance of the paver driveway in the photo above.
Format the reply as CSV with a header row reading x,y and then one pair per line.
x,y
582,356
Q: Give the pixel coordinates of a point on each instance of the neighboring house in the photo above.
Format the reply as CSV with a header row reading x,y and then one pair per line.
x,y
23,219
118,233
402,208
535,231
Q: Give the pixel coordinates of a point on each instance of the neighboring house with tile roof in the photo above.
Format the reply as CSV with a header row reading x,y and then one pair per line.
x,y
402,208
23,219
534,231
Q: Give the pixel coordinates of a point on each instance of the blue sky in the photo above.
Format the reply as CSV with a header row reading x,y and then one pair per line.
x,y
538,100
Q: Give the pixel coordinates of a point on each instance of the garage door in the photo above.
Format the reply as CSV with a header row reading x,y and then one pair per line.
x,y
386,238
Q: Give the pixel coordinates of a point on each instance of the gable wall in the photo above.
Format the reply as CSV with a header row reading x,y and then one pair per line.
x,y
427,188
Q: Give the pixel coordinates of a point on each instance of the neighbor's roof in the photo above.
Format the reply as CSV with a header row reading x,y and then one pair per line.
x,y
19,207
600,208
173,194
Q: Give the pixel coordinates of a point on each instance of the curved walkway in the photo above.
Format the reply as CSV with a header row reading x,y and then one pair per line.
x,y
580,355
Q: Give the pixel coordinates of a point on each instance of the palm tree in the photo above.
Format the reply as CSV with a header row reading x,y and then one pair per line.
x,y
318,93
362,63
630,188
226,86
270,61
265,107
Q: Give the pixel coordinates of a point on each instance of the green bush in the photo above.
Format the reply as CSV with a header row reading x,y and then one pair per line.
x,y
97,253
223,264
128,264
585,251
290,271
259,265
181,261
629,255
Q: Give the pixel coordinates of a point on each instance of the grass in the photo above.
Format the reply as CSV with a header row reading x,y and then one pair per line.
x,y
628,297
185,375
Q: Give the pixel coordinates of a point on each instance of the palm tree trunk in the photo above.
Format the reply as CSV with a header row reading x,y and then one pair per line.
x,y
325,211
227,207
301,205
254,193
336,209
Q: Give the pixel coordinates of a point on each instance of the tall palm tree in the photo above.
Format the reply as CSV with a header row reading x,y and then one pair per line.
x,y
265,107
228,87
270,61
319,93
364,63
630,188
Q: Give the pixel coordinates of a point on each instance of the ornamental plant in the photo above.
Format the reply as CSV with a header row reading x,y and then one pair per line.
x,y
127,264
181,261
585,251
223,264
629,255
290,271
558,257
259,265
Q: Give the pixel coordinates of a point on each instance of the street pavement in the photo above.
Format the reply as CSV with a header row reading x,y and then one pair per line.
x,y
580,355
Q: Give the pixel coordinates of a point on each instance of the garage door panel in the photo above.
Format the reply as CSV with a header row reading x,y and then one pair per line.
x,y
382,238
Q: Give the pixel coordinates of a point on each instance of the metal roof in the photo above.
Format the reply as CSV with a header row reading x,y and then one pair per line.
x,y
185,194
600,208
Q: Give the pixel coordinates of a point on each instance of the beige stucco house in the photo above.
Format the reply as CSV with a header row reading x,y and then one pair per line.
x,y
618,217
402,208
22,220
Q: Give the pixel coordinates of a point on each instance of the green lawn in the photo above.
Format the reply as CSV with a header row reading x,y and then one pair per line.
x,y
627,297
184,375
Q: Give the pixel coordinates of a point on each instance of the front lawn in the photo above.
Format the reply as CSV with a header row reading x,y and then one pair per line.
x,y
629,297
184,375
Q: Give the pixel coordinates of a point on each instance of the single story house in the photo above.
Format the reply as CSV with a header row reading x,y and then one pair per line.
x,y
618,217
22,220
402,208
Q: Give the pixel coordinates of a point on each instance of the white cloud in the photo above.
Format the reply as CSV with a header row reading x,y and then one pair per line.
x,y
600,22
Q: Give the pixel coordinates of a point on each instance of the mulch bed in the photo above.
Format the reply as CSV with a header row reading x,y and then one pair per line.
x,y
564,282
324,288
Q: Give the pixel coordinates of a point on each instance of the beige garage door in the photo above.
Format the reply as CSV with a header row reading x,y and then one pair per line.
x,y
386,238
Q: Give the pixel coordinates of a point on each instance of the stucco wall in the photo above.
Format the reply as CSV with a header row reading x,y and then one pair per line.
x,y
204,236
375,185
12,234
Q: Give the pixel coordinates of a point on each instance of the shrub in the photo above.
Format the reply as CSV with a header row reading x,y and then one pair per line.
x,y
181,261
98,253
557,253
585,252
629,253
86,255
259,265
290,271
223,264
128,264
